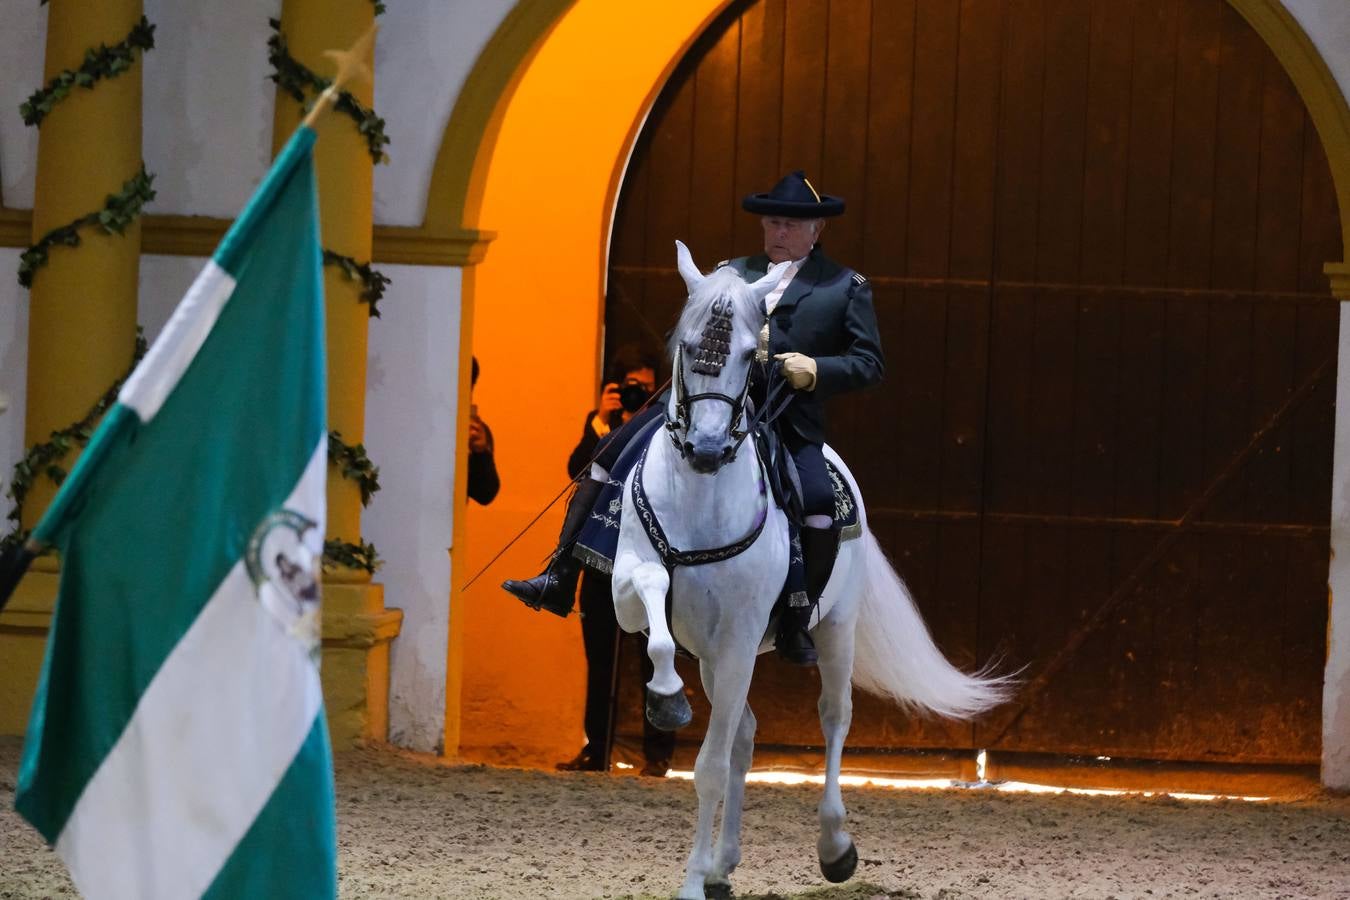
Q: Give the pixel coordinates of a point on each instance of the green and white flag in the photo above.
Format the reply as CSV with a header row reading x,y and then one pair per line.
x,y
177,744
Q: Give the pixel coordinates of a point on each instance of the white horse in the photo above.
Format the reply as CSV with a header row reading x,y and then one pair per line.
x,y
705,493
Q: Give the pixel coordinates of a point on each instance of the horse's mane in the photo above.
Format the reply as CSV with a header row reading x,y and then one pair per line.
x,y
748,313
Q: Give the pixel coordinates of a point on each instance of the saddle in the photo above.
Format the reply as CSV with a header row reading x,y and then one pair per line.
x,y
787,493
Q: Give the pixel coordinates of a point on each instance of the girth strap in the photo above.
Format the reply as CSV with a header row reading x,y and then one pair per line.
x,y
670,556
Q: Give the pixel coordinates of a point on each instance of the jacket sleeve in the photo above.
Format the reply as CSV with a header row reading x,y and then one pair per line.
x,y
585,448
483,481
860,363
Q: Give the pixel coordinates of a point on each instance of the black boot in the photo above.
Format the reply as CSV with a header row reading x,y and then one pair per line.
x,y
794,643
555,588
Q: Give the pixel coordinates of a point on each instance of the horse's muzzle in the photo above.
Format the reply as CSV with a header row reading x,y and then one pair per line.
x,y
706,462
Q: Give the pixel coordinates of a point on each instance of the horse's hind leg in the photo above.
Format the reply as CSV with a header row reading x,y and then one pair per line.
x,y
834,642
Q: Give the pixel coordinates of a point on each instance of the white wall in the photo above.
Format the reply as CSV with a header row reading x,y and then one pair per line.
x,y
436,53
411,392
208,103
1336,695
13,372
207,133
1327,23
21,52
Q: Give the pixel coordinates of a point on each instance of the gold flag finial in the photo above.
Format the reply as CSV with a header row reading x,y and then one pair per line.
x,y
351,66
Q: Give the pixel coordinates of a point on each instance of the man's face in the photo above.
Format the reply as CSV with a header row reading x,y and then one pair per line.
x,y
644,377
787,239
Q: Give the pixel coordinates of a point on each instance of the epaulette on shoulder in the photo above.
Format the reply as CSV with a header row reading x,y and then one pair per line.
x,y
858,279
725,262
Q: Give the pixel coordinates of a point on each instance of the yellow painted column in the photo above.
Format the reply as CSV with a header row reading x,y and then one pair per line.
x,y
346,195
82,305
357,628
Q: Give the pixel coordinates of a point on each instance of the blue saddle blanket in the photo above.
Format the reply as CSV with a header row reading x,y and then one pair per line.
x,y
599,539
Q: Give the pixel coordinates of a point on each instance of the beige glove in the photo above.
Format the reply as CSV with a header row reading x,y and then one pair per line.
x,y
799,370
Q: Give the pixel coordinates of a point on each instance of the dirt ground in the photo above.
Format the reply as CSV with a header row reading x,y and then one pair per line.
x,y
413,828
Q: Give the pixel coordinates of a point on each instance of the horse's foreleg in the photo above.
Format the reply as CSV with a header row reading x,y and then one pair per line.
x,y
834,643
712,771
667,707
729,837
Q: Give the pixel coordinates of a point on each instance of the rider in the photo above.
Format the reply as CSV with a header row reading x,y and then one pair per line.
x,y
823,332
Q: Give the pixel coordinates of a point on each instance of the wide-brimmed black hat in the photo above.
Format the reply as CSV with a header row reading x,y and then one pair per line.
x,y
795,198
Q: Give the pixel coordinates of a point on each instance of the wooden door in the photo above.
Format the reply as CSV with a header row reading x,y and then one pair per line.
x,y
1095,232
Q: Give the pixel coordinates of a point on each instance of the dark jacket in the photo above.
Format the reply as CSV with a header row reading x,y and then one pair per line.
x,y
585,449
483,482
825,313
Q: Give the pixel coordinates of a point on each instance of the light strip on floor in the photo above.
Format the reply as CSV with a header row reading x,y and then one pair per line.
x,y
797,778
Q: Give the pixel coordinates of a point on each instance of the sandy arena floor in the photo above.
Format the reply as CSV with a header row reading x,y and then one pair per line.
x,y
409,828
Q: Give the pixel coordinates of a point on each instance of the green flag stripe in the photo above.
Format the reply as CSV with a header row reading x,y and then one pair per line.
x,y
164,509
291,849
238,244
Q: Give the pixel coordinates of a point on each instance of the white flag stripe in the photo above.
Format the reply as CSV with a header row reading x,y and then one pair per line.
x,y
211,738
177,345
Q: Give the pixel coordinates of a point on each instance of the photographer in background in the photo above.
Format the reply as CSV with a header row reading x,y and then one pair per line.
x,y
483,481
630,381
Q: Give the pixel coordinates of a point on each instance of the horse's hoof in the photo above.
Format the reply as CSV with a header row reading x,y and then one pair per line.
x,y
717,890
668,712
842,868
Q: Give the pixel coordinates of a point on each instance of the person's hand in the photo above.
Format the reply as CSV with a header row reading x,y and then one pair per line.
x,y
799,370
609,402
478,442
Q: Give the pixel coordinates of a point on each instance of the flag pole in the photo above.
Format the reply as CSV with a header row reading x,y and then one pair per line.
x,y
351,64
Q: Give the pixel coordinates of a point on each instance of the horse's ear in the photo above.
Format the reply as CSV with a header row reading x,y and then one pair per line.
x,y
685,263
764,286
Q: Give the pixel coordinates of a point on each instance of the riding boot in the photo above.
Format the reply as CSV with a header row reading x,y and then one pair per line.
x,y
794,639
555,588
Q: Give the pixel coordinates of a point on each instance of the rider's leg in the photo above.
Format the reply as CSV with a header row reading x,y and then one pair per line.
x,y
554,588
819,541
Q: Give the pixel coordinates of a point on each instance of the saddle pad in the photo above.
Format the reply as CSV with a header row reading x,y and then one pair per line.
x,y
845,505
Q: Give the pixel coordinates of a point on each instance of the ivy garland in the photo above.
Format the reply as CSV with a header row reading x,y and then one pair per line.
x,y
360,555
355,465
103,62
45,458
296,79
372,281
119,211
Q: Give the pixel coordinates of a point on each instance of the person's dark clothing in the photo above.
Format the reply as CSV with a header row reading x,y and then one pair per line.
x,y
483,481
580,459
817,490
599,627
826,313
600,634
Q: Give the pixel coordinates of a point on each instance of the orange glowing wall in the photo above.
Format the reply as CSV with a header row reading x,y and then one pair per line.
x,y
549,192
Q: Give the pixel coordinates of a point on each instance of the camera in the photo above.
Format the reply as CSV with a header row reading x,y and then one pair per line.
x,y
632,394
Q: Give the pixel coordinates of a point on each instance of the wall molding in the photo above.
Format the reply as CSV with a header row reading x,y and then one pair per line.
x,y
1338,273
199,236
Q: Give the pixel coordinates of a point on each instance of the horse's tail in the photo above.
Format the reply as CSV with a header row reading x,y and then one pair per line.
x,y
896,659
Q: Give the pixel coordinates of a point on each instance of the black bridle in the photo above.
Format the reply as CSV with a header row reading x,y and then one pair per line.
x,y
684,402
762,417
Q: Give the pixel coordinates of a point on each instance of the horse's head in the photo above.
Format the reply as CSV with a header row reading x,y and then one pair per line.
x,y
713,349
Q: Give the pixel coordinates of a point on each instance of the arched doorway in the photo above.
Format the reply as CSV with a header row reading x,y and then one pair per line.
x,y
1096,235
469,160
